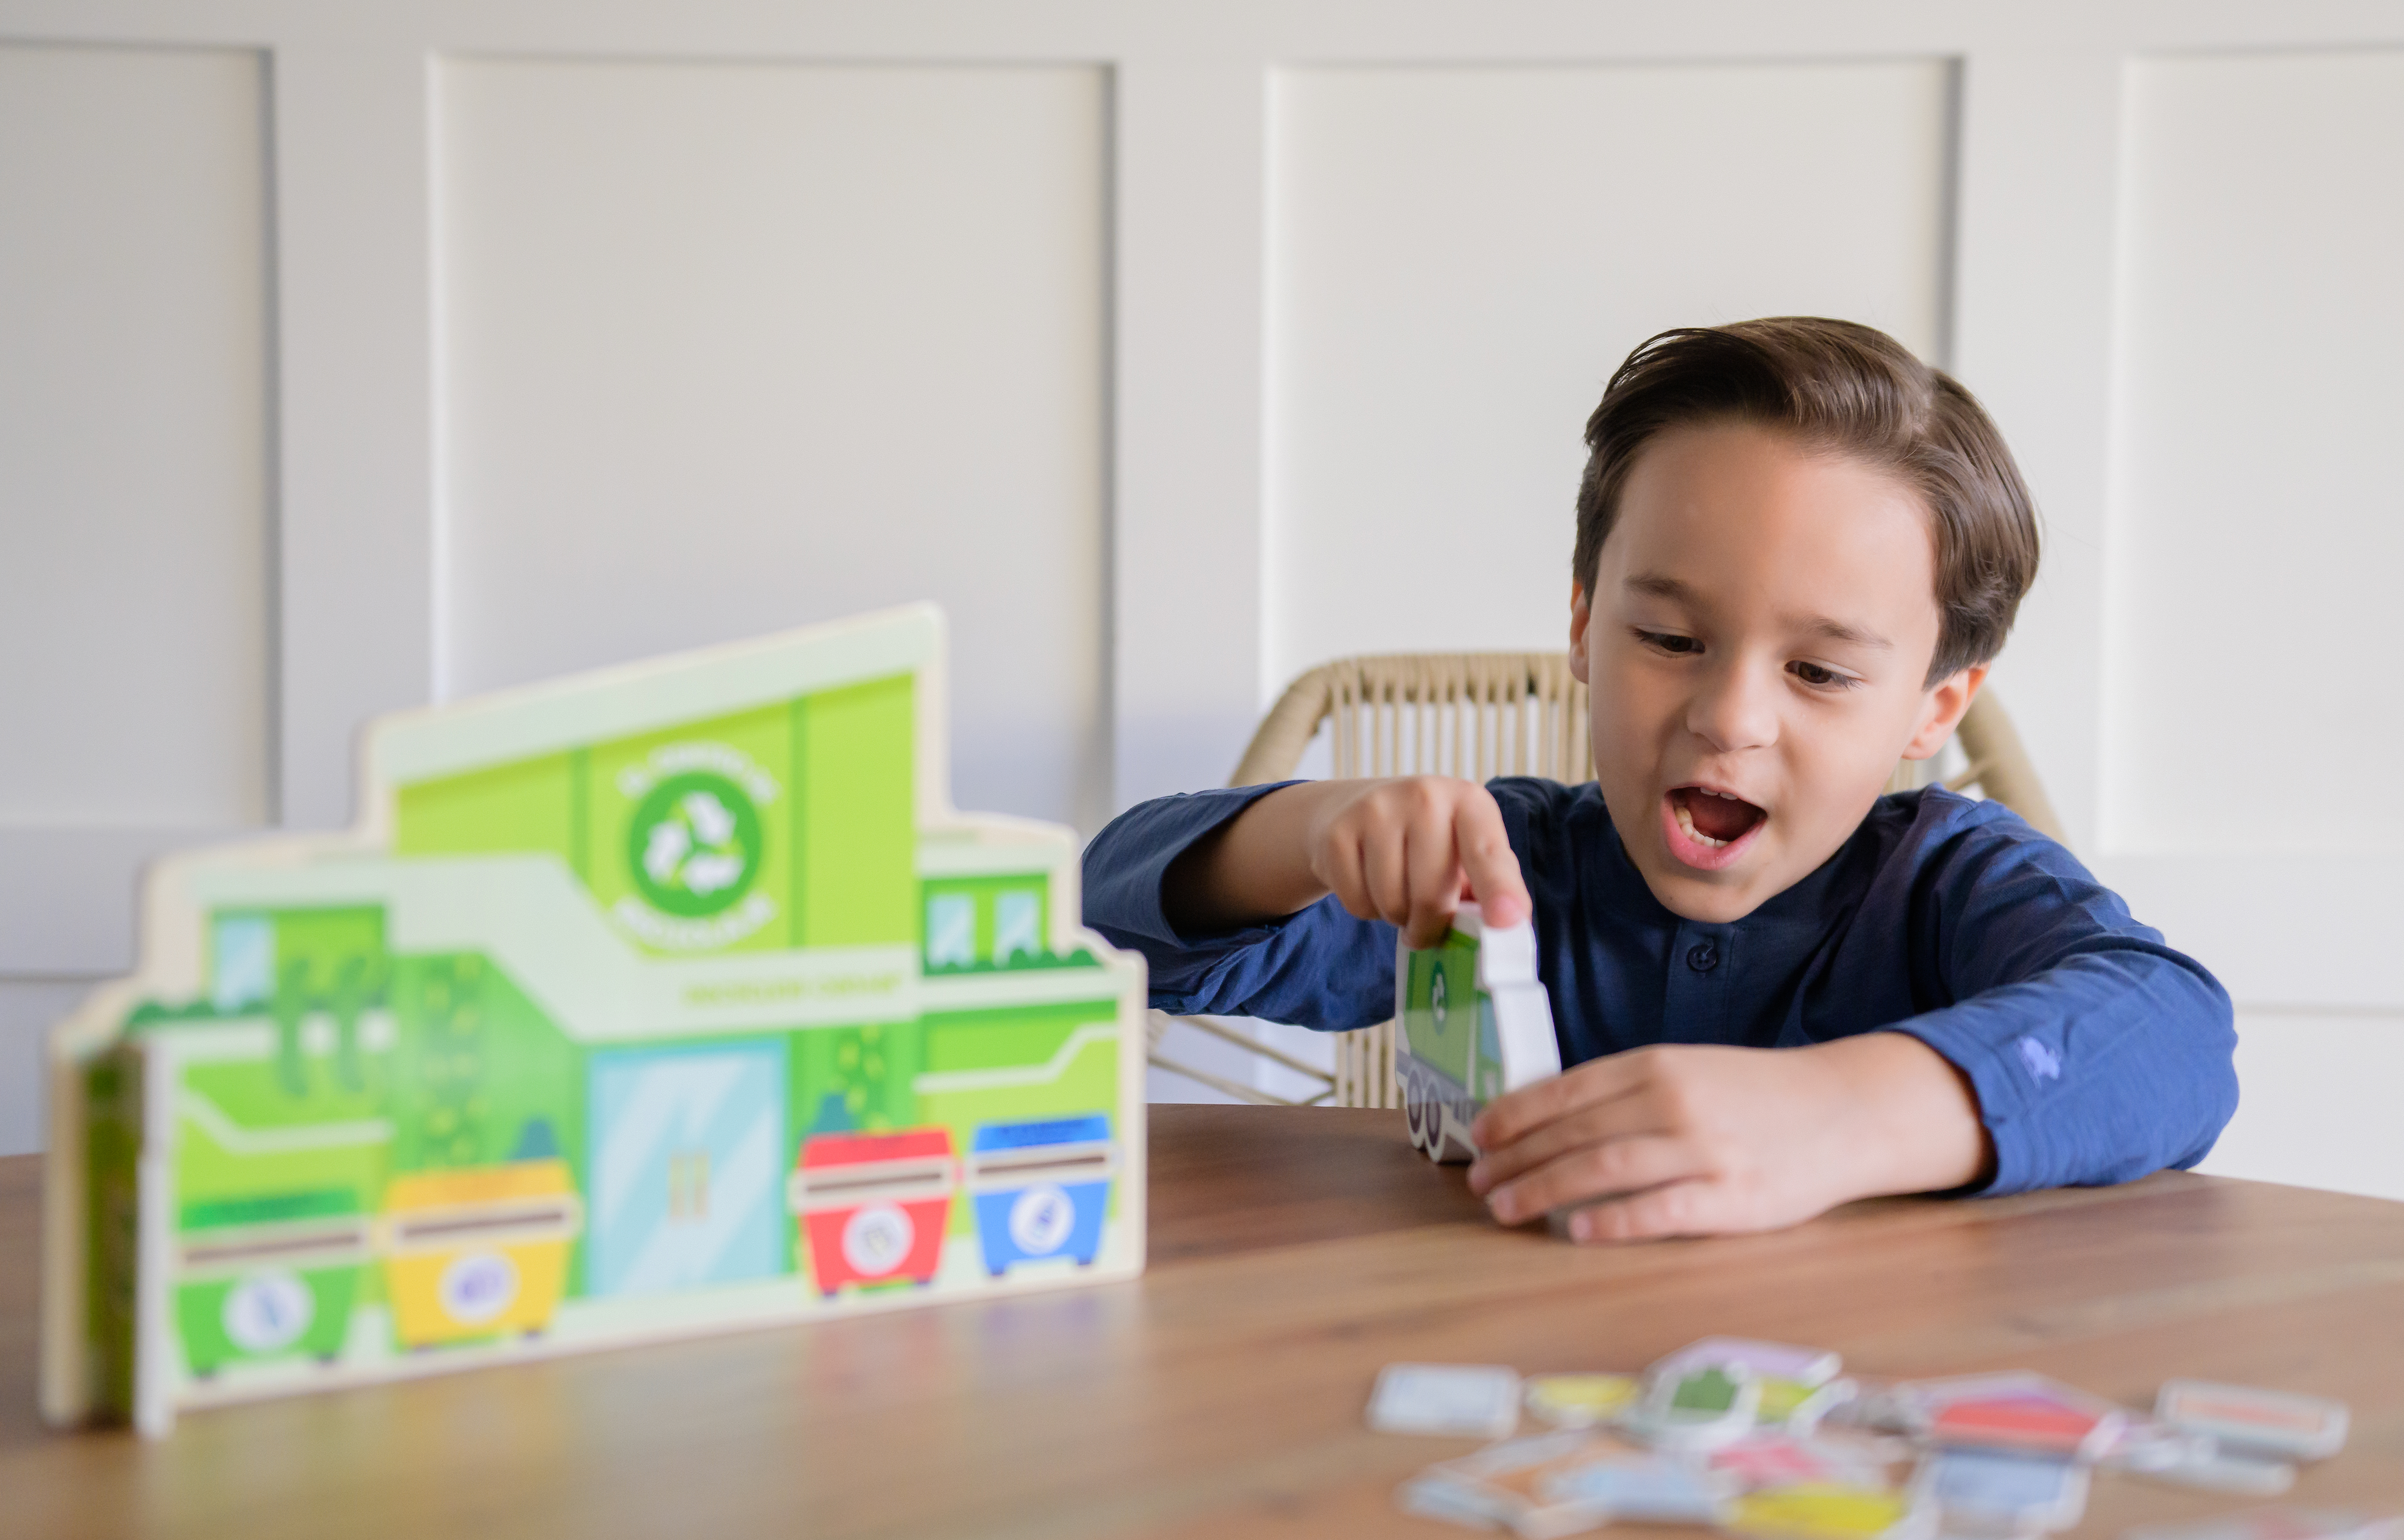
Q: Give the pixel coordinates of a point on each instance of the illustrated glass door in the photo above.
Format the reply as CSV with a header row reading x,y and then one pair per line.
x,y
687,1146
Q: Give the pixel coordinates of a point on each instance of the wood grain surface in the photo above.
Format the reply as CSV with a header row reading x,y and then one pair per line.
x,y
1294,1251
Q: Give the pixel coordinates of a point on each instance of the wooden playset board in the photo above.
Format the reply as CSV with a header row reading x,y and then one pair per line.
x,y
665,1000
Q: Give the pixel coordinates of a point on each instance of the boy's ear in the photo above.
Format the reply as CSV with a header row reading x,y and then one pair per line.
x,y
1941,712
1580,613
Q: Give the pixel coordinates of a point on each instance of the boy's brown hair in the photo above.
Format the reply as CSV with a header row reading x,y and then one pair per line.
x,y
1849,389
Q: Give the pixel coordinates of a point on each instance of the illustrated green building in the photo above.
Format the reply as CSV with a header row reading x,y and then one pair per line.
x,y
669,999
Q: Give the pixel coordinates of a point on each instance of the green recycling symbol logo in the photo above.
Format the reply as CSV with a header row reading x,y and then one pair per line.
x,y
694,845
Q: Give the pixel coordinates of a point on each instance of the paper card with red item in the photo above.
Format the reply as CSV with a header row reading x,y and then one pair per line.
x,y
2026,1412
2274,1422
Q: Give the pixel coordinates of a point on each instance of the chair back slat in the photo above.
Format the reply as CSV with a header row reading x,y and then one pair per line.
x,y
1475,715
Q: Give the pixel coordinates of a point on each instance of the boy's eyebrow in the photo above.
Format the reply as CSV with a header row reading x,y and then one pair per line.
x,y
1662,586
1837,631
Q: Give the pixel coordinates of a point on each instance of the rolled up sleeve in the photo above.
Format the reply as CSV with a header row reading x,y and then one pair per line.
x,y
2099,1054
1320,968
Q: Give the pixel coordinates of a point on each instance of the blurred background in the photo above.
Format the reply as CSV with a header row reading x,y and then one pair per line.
x,y
353,358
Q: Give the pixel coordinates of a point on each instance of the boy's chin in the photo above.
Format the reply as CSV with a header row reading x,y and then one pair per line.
x,y
1708,898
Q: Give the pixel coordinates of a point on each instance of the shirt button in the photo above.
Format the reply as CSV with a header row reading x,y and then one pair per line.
x,y
1702,957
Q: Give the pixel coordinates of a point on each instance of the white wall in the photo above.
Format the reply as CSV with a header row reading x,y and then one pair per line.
x,y
133,296
354,357
2258,523
1458,258
2319,1101
135,550
2256,533
728,348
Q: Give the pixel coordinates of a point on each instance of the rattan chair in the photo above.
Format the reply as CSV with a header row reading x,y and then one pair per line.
x,y
1478,715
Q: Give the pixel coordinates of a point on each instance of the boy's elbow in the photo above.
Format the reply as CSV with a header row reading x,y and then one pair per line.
x,y
2216,1092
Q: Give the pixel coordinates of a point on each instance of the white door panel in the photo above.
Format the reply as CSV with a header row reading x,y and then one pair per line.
x,y
730,348
1459,258
137,697
2257,517
134,409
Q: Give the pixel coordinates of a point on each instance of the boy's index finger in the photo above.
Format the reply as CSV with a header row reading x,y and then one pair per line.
x,y
1434,877
1487,862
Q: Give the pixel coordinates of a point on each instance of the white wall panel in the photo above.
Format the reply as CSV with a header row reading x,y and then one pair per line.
x,y
134,397
728,348
1460,257
1186,545
2318,1103
2258,520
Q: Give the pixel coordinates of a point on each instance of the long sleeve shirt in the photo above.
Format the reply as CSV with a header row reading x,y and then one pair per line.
x,y
2097,1052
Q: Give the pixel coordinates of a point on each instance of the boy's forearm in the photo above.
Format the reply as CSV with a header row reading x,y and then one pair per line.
x,y
1253,869
1920,1121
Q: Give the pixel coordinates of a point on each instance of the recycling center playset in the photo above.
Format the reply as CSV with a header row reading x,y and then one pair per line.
x,y
665,1000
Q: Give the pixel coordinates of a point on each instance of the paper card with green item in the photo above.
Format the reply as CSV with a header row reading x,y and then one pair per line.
x,y
664,1000
1471,1021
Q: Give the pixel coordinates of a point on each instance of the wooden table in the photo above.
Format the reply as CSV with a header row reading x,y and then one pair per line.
x,y
1294,1251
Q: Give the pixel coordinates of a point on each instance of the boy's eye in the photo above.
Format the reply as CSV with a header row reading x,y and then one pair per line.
x,y
1813,674
1671,642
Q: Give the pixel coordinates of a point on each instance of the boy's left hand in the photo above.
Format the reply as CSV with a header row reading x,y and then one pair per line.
x,y
1701,1140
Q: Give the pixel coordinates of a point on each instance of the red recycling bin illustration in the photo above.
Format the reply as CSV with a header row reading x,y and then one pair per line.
x,y
874,1207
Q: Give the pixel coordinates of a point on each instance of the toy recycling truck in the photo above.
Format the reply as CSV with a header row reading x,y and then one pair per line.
x,y
1474,1022
670,999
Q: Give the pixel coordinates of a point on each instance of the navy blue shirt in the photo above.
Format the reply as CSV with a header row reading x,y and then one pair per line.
x,y
2097,1053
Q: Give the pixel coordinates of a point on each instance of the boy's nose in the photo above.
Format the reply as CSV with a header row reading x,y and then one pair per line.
x,y
1734,709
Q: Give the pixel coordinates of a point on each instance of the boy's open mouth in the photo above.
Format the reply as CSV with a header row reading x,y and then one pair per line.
x,y
1705,828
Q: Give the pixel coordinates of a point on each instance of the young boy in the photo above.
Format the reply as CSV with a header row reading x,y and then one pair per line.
x,y
1798,550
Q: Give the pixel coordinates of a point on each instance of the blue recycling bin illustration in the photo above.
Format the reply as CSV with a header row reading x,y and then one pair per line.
x,y
1040,1189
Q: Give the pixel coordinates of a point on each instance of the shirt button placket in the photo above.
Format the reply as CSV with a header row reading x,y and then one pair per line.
x,y
1697,997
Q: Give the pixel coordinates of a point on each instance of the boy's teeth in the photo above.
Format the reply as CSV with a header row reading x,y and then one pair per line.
x,y
1686,823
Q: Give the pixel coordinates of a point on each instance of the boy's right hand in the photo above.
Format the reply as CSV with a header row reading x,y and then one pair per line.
x,y
1407,851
